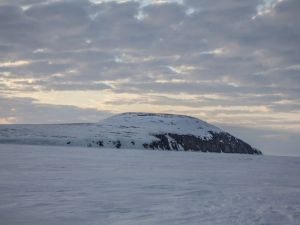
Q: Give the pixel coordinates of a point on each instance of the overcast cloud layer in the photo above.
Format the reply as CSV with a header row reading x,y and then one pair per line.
x,y
235,63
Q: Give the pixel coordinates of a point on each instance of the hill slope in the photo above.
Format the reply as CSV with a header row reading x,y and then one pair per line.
x,y
132,130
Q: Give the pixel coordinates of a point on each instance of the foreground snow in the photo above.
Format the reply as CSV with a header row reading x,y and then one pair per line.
x,y
61,185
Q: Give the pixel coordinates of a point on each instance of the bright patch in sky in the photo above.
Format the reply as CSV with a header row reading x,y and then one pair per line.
x,y
14,63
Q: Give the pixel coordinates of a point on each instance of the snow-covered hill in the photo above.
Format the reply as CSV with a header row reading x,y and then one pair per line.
x,y
131,130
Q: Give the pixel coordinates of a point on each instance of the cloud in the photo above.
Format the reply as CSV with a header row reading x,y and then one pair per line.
x,y
84,41
14,64
26,110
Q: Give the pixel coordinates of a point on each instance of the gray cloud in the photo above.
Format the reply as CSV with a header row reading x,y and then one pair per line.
x,y
91,37
26,110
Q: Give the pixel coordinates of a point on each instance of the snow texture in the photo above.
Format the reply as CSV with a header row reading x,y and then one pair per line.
x,y
63,186
130,129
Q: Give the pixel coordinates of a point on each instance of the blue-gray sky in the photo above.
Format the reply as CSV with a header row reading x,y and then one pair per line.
x,y
234,63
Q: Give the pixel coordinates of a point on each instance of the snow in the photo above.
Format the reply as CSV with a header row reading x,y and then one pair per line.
x,y
63,186
144,123
130,129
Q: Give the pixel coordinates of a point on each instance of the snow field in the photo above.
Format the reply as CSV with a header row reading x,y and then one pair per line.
x,y
61,185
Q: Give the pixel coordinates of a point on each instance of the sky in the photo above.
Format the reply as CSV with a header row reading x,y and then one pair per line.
x,y
233,63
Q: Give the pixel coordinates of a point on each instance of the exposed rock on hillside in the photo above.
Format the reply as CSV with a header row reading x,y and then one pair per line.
x,y
133,131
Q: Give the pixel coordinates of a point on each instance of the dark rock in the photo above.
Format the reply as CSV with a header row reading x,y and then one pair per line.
x,y
220,142
117,144
146,146
99,143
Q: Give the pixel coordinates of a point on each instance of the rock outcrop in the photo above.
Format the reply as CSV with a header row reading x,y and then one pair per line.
x,y
220,142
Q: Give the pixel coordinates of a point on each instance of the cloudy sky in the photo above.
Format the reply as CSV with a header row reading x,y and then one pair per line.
x,y
234,63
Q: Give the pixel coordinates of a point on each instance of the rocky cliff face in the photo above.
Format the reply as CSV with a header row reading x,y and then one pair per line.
x,y
220,142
